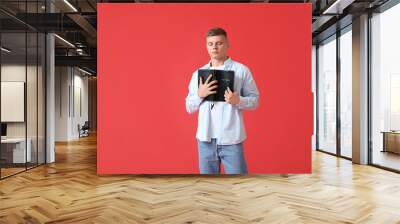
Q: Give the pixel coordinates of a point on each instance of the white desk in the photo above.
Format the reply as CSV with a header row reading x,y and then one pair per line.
x,y
18,150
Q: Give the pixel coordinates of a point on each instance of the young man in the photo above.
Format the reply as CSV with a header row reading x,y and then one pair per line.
x,y
221,132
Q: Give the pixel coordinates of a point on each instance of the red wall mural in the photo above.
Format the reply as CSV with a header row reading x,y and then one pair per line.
x,y
146,56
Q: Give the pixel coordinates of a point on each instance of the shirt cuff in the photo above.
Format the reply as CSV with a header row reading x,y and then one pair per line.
x,y
197,99
242,102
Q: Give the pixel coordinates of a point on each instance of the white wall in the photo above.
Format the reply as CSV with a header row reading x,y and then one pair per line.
x,y
71,94
12,73
81,103
61,103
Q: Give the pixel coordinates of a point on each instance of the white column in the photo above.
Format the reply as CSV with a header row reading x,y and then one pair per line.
x,y
50,92
50,110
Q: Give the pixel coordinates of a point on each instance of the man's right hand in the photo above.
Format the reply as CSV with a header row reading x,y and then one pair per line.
x,y
206,88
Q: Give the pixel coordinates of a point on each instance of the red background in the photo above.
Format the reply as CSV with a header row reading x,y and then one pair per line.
x,y
146,56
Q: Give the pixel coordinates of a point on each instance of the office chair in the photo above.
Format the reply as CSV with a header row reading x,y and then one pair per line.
x,y
84,130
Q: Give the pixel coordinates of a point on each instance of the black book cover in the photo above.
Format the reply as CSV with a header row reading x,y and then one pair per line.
x,y
224,79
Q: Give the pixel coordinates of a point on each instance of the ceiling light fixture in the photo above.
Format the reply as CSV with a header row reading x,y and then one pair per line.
x,y
84,71
64,40
5,50
70,5
338,6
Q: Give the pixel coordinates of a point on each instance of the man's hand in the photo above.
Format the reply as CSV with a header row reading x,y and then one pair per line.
x,y
231,97
206,88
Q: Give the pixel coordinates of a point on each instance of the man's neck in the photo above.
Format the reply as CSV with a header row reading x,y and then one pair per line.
x,y
218,62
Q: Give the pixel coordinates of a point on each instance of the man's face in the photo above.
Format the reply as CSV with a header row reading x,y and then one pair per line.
x,y
217,47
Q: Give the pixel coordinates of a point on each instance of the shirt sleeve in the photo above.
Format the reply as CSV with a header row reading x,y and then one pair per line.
x,y
193,100
249,95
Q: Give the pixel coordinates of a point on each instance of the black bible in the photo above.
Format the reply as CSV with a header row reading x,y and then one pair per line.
x,y
224,79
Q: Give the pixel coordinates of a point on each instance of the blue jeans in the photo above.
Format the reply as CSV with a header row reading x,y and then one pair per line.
x,y
211,155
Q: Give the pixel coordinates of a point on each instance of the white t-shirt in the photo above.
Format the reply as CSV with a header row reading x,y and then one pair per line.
x,y
216,114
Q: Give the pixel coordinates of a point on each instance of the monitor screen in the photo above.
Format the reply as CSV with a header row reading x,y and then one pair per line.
x,y
3,129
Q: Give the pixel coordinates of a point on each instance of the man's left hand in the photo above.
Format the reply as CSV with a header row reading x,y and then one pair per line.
x,y
231,97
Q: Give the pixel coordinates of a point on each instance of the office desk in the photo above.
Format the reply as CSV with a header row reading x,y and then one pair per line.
x,y
391,141
13,150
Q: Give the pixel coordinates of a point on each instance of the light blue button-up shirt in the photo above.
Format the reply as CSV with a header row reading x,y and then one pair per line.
x,y
232,124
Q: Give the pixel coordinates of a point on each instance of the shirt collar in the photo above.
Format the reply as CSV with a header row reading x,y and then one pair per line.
x,y
226,64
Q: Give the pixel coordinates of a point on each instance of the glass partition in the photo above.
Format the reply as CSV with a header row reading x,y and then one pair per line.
x,y
327,95
14,153
385,89
22,77
346,93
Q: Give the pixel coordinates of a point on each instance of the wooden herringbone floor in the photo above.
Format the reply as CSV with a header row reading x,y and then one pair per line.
x,y
69,191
